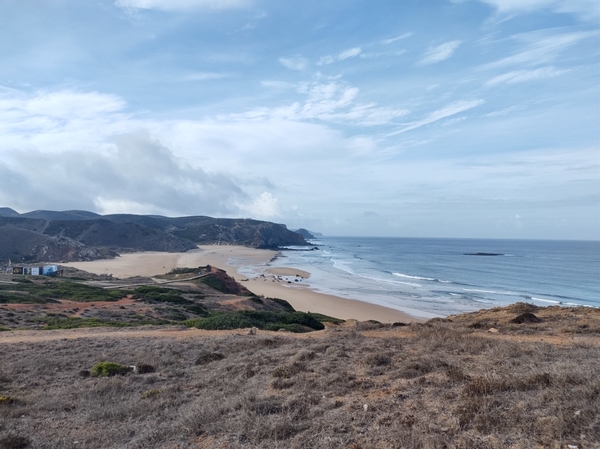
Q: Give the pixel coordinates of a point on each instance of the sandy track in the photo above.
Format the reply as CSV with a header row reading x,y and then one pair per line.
x,y
38,336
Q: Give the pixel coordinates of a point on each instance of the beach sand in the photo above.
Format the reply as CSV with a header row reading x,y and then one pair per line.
x,y
286,283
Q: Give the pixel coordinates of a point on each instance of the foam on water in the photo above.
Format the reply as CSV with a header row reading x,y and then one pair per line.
x,y
435,277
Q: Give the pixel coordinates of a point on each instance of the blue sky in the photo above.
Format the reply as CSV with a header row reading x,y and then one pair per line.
x,y
445,118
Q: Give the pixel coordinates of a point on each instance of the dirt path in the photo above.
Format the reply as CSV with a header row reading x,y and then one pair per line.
x,y
34,336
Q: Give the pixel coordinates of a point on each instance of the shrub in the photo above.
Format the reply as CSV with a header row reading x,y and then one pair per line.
x,y
208,357
14,442
326,319
151,393
161,294
144,368
256,299
5,400
105,369
282,302
294,322
185,270
377,359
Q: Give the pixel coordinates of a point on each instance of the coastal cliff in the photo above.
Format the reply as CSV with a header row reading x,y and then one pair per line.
x,y
80,235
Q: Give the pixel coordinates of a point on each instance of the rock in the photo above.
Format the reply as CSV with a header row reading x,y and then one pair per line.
x,y
493,330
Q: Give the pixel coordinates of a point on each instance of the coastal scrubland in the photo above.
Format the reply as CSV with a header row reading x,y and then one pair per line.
x,y
516,377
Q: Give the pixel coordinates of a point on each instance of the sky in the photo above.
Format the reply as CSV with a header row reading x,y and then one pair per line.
x,y
444,118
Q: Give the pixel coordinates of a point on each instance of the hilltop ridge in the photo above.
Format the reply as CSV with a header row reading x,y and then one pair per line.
x,y
77,235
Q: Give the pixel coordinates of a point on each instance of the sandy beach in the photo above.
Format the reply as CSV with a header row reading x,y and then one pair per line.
x,y
290,284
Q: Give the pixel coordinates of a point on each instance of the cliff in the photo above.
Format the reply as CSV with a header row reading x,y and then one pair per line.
x,y
80,235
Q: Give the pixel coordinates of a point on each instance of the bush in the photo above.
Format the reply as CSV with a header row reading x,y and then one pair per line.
x,y
294,322
282,302
144,368
185,270
14,442
105,369
208,357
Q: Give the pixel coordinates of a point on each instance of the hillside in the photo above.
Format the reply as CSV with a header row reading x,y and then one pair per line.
x,y
447,383
80,235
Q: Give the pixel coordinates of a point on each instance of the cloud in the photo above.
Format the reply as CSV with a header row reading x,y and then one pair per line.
x,y
140,173
181,5
60,120
520,76
439,53
351,53
263,207
297,62
377,54
208,76
539,48
329,102
587,9
448,111
397,38
346,54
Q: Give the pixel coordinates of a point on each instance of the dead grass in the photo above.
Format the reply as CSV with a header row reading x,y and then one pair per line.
x,y
441,384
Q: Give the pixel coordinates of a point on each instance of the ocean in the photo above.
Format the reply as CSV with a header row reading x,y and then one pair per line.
x,y
439,277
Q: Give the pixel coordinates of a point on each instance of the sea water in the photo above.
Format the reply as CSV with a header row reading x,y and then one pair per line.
x,y
439,277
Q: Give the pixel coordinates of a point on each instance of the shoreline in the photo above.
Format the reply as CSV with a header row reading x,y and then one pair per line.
x,y
285,283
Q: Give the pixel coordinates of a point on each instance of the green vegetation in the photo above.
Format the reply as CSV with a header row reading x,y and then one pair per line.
x,y
105,369
20,297
22,280
208,357
185,270
55,322
172,296
161,294
282,302
273,321
213,282
152,393
51,290
325,318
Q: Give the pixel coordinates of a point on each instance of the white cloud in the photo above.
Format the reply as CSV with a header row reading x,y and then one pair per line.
x,y
397,38
539,48
60,104
181,5
439,53
377,54
332,102
350,53
60,120
208,76
520,76
137,171
297,62
448,111
346,54
263,207
587,9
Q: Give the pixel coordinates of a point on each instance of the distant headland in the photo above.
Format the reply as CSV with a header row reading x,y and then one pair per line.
x,y
78,235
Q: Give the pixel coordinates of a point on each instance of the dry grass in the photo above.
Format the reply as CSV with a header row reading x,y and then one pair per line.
x,y
441,384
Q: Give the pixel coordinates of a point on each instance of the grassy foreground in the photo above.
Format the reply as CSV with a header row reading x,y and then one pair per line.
x,y
518,377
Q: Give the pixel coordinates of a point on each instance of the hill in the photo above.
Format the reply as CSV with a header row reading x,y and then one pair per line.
x,y
80,235
445,383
